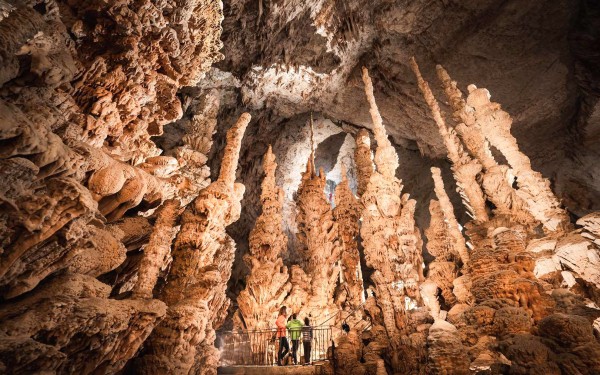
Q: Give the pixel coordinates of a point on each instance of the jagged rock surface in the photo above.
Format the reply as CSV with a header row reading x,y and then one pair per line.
x,y
267,284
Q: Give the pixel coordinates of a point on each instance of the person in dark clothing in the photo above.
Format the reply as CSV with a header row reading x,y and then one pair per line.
x,y
284,346
307,336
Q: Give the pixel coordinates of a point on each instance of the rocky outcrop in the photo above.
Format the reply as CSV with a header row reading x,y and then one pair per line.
x,y
202,259
267,284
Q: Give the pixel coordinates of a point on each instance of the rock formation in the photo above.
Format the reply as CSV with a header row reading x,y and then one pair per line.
x,y
392,244
157,251
510,310
267,284
118,254
202,260
464,168
83,87
497,179
347,213
363,160
319,244
495,124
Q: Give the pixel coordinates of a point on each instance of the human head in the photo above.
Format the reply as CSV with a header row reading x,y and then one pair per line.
x,y
306,321
294,316
283,310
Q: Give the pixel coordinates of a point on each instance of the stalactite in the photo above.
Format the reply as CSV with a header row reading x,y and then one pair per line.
x,y
346,213
363,160
157,250
318,237
267,284
202,260
464,168
534,189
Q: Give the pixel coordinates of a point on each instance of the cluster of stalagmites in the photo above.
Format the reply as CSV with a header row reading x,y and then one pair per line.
x,y
511,303
516,293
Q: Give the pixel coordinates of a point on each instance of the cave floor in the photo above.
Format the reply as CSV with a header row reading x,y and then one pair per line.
x,y
266,370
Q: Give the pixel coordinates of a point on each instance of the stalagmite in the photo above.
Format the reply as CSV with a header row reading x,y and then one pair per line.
x,y
497,179
267,284
442,270
458,239
363,159
157,250
320,248
391,241
202,259
346,213
534,189
506,322
465,169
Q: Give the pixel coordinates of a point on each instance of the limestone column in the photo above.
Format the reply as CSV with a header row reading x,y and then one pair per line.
x,y
497,179
157,250
363,160
464,168
347,213
319,244
202,259
267,283
458,239
533,188
390,244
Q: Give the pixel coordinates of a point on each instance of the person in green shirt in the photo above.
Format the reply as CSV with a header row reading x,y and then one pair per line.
x,y
294,327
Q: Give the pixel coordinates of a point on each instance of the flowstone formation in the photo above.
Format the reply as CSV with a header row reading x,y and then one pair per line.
x,y
512,318
267,284
83,88
392,247
319,247
202,260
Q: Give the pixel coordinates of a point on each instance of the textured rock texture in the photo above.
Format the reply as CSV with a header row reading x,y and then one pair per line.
x,y
267,284
196,286
83,88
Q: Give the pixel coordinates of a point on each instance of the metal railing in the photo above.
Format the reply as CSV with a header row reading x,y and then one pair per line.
x,y
260,347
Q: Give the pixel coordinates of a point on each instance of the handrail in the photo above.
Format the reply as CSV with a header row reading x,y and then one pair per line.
x,y
260,347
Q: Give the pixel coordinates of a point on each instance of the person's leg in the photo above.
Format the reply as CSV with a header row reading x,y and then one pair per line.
x,y
306,344
280,351
295,351
286,346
